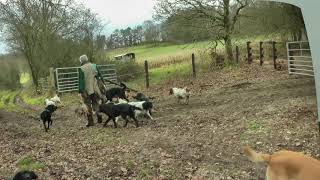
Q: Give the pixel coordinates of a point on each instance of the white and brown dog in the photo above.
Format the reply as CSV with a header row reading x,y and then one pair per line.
x,y
181,93
286,165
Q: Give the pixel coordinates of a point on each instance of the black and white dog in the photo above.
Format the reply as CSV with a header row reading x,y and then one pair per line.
x,y
25,175
114,110
146,107
117,92
46,116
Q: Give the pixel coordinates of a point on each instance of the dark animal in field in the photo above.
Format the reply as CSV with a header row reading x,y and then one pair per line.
x,y
46,116
141,97
117,92
115,110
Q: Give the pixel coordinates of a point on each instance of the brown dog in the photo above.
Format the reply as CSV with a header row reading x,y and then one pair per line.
x,y
286,165
82,111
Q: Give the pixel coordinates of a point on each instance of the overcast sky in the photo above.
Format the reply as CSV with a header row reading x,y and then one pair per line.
x,y
121,13
118,13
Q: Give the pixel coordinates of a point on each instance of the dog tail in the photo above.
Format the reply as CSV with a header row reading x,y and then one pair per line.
x,y
256,157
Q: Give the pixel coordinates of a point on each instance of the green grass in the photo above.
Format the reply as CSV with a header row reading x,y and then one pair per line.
x,y
152,52
161,74
7,100
255,126
28,163
29,96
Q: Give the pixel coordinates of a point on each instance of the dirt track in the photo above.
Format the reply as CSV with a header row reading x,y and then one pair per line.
x,y
201,140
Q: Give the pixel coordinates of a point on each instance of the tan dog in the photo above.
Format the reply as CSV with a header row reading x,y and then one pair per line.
x,y
286,165
82,111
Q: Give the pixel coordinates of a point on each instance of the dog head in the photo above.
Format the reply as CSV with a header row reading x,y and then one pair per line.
x,y
25,175
51,108
147,105
56,99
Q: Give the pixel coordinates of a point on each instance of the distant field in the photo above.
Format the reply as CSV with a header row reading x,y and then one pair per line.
x,y
152,52
161,51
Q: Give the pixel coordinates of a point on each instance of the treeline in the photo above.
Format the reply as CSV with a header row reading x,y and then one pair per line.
x,y
183,21
50,33
148,32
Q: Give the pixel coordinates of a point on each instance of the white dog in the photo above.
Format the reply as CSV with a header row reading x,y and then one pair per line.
x,y
181,93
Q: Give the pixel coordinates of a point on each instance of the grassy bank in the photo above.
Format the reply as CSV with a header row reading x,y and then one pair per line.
x,y
7,99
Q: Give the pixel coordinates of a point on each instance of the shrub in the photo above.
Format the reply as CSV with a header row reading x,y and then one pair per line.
x,y
9,76
127,70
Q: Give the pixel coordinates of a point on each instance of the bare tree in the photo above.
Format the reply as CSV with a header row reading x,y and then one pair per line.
x,y
219,16
46,31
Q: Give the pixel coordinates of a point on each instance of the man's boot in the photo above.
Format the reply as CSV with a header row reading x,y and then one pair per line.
x,y
90,120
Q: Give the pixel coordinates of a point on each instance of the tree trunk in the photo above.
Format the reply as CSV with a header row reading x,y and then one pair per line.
x,y
228,49
33,73
29,57
227,36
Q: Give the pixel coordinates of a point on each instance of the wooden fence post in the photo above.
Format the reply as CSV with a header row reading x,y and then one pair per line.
x,y
261,52
237,54
146,68
274,54
193,66
249,53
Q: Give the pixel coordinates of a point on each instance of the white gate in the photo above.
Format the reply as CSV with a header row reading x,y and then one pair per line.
x,y
67,79
299,58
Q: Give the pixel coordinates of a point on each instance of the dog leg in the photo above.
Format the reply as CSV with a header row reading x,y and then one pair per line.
x,y
136,121
99,117
45,127
114,122
187,100
126,121
149,115
49,122
105,124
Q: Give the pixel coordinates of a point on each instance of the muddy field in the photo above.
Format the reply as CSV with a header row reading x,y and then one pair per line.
x,y
255,106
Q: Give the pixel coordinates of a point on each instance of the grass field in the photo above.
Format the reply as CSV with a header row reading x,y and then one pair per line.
x,y
156,52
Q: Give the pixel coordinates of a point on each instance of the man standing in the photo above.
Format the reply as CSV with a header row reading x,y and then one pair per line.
x,y
89,77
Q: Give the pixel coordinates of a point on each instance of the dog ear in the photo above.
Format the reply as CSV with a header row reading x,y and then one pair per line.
x,y
171,91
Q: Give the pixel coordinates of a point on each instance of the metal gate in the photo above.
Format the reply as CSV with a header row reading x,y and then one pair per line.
x,y
67,79
299,58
